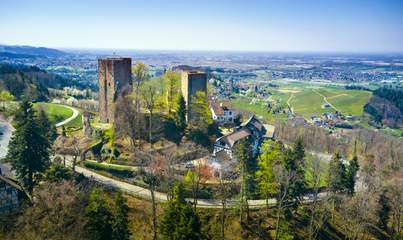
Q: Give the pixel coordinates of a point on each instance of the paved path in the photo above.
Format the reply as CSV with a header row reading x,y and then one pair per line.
x,y
71,118
162,197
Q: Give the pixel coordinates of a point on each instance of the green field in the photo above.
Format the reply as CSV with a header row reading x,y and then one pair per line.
x,y
55,112
257,108
307,99
349,102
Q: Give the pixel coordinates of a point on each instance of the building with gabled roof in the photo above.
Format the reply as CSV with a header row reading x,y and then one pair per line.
x,y
252,130
222,112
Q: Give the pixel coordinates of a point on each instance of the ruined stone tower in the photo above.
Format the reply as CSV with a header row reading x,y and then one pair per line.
x,y
192,82
115,78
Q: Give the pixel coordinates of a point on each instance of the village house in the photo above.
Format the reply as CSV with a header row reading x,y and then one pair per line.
x,y
11,195
252,130
222,112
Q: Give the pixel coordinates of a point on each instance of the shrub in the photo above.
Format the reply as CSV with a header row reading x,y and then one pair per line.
x,y
117,171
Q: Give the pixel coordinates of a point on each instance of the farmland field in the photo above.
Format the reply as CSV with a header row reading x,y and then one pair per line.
x,y
306,99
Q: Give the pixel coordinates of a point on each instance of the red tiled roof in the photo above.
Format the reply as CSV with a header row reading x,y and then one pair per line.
x,y
219,107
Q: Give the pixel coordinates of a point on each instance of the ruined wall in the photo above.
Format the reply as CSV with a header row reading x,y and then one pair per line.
x,y
114,75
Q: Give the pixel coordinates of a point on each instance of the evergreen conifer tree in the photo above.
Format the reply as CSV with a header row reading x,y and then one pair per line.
x,y
180,221
120,228
383,210
180,114
28,150
337,174
295,164
48,129
351,175
99,216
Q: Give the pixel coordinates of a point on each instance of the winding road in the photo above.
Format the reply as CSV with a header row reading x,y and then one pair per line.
x,y
162,197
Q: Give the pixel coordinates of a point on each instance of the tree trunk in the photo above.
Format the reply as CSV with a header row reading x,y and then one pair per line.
x,y
154,212
195,196
267,205
150,130
73,166
242,196
313,213
278,218
30,182
223,202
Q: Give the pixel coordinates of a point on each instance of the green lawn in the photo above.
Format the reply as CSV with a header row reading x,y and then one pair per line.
x,y
258,108
58,113
55,112
75,123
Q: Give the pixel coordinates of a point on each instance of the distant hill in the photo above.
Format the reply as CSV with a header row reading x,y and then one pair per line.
x,y
29,81
33,51
386,106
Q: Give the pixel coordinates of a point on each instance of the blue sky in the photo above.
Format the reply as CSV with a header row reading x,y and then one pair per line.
x,y
245,25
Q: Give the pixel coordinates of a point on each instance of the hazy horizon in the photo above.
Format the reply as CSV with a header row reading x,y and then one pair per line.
x,y
214,26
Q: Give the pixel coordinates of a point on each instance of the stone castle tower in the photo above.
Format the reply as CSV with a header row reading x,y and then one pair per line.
x,y
115,78
192,82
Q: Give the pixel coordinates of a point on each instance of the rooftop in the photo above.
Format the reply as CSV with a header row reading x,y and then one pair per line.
x,y
234,137
254,122
219,108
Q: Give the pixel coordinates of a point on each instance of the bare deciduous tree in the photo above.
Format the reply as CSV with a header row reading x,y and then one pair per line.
x,y
284,180
318,211
358,215
125,121
149,95
140,72
153,174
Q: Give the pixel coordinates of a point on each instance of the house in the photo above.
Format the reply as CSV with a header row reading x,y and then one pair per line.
x,y
227,142
252,130
222,112
11,195
329,116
